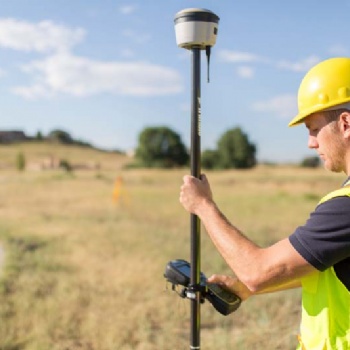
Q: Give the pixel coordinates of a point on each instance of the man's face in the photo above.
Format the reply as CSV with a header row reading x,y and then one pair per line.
x,y
327,140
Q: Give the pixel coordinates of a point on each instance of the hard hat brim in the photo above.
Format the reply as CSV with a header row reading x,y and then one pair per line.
x,y
318,108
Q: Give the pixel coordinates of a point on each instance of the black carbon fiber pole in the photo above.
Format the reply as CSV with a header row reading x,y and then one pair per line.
x,y
196,29
195,222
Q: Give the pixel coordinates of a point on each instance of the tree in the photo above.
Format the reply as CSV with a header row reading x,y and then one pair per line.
x,y
235,150
161,147
310,162
60,136
209,159
39,136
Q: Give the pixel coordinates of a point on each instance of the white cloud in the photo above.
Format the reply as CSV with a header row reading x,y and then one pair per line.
x,y
245,72
239,56
284,106
44,36
136,37
33,92
78,76
127,9
301,66
339,50
2,73
127,53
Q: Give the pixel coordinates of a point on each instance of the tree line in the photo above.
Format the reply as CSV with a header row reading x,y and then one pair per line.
x,y
163,147
60,136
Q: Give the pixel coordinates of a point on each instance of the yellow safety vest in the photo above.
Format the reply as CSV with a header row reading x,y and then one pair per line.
x,y
325,322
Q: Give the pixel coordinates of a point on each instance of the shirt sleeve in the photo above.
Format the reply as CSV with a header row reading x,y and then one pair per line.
x,y
324,240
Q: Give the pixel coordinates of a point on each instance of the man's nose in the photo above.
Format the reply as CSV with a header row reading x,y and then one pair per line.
x,y
312,142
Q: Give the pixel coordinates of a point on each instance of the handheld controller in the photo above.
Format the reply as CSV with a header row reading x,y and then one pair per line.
x,y
178,272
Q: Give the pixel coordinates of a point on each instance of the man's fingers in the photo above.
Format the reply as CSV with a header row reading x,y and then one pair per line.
x,y
190,178
187,178
218,279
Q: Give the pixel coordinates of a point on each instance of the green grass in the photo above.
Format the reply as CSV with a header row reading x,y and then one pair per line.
x,y
84,272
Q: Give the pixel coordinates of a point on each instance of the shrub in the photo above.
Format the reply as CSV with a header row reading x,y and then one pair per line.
x,y
65,165
20,162
310,162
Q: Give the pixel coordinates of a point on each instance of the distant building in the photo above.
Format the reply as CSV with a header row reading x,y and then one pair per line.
x,y
12,136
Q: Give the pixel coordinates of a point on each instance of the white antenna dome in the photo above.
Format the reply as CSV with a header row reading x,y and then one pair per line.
x,y
196,27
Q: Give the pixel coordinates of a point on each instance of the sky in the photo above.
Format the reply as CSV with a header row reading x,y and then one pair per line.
x,y
103,70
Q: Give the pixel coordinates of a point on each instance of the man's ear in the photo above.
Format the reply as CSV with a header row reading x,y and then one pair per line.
x,y
344,123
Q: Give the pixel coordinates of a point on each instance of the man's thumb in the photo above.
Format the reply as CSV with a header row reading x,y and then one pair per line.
x,y
204,178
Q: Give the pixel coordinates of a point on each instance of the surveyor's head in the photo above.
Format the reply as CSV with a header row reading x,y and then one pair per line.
x,y
324,107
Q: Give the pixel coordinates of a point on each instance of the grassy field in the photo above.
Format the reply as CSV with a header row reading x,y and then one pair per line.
x,y
82,271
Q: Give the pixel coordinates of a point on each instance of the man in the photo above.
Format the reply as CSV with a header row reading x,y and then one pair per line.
x,y
317,255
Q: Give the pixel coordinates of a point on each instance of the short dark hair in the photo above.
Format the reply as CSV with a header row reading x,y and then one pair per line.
x,y
332,116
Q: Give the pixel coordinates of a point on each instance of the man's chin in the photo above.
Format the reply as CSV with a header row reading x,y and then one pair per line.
x,y
331,167
327,165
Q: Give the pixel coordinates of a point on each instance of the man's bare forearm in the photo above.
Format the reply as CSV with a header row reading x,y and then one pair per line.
x,y
254,266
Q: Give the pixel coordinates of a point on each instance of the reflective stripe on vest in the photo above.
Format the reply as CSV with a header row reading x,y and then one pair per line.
x,y
325,321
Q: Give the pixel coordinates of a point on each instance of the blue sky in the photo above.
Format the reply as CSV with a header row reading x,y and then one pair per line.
x,y
104,70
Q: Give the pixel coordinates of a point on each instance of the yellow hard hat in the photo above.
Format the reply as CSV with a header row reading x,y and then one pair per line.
x,y
324,86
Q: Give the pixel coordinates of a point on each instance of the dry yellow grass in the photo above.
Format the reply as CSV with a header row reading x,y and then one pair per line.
x,y
84,272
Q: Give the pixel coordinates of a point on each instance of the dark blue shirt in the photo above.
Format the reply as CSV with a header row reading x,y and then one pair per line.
x,y
324,240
